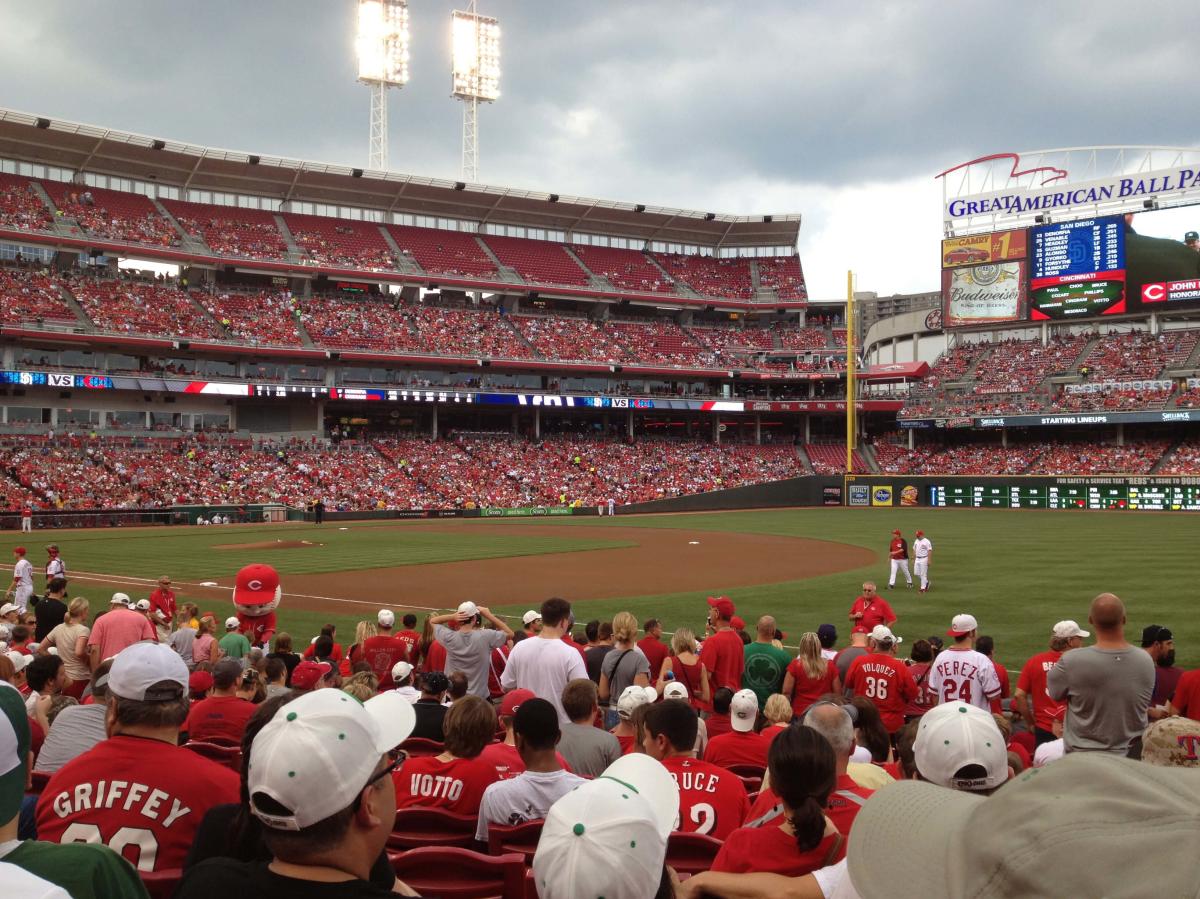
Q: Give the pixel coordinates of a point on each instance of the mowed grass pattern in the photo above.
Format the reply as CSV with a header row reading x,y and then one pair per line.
x,y
1017,572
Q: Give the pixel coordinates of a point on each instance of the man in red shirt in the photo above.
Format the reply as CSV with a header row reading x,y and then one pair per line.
x,y
163,600
505,755
383,650
723,653
1031,685
223,715
711,800
138,792
653,647
1186,701
741,746
455,779
987,646
883,678
870,609
410,637
898,555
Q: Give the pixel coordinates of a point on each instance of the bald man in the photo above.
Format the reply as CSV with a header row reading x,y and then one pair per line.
x,y
766,663
1107,686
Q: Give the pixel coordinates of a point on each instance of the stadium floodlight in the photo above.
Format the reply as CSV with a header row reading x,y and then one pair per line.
x,y
475,76
382,49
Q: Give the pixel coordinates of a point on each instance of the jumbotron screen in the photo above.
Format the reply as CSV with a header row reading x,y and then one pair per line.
x,y
1095,496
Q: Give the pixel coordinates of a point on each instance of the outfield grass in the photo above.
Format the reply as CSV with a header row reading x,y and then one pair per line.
x,y
1018,572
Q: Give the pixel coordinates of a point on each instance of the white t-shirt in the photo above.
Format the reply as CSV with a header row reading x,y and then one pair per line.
x,y
829,654
526,797
922,547
23,572
964,675
543,665
409,693
1049,752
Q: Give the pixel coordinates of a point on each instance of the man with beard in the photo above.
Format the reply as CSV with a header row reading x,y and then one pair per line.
x,y
1159,642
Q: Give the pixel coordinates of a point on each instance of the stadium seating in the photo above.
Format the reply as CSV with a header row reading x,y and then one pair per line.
x,y
361,323
20,207
266,319
143,307
782,273
27,296
461,332
624,269
342,242
954,363
709,276
830,458
1137,356
1188,397
1184,460
1018,366
662,342
1112,399
792,338
538,261
1137,457
577,339
231,230
445,252
112,214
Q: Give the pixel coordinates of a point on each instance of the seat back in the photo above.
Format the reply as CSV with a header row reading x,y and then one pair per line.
x,y
522,838
453,873
745,771
419,827
691,853
229,756
161,884
420,746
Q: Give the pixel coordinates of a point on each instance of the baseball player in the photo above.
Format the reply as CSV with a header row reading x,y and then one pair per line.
x,y
960,673
898,553
922,553
21,587
55,567
612,506
27,520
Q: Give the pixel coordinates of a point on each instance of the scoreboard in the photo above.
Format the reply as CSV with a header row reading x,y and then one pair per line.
x,y
1092,495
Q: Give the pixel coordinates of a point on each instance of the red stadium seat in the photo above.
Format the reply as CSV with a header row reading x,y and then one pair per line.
x,y
161,884
744,771
691,853
229,756
452,873
522,838
419,827
420,746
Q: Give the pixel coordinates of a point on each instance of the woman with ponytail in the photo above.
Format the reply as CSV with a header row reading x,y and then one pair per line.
x,y
803,774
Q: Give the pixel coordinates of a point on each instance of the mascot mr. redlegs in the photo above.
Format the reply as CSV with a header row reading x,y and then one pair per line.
x,y
256,595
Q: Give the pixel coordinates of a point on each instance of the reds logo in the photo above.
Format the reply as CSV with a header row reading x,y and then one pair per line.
x,y
1154,293
255,584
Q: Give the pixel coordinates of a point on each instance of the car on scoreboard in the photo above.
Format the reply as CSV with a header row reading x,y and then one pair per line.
x,y
964,255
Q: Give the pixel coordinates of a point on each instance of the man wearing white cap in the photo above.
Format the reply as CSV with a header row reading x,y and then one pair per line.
x,y
384,650
21,587
1031,684
117,629
402,677
469,649
741,746
138,792
531,622
883,679
960,673
319,781
234,645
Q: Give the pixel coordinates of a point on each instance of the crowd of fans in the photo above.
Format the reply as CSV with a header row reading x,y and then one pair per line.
x,y
709,276
230,230
1136,457
343,242
1137,355
625,269
32,296
127,306
20,206
606,758
113,215
264,318
782,273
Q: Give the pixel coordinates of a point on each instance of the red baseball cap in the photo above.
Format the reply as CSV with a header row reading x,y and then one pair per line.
x,y
920,533
200,682
306,674
20,550
512,701
723,604
256,585
737,623
860,629
896,532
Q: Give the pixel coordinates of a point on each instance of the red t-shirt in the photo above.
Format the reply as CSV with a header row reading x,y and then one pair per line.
x,y
656,651
508,761
1187,694
164,601
496,665
717,725
1002,676
738,748
311,651
874,610
456,785
142,798
711,800
724,656
381,652
808,690
435,657
224,717
1033,682
845,802
570,641
260,630
770,850
626,743
885,681
898,548
413,641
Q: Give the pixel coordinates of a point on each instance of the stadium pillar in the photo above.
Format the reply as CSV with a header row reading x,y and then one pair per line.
x,y
629,423
537,423
1004,437
434,427
912,442
513,427
894,351
916,347
716,422
757,428
808,429
1120,435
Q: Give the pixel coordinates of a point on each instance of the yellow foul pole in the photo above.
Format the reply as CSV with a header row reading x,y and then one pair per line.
x,y
851,428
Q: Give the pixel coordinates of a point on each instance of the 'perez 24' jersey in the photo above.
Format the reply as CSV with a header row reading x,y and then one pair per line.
x,y
964,675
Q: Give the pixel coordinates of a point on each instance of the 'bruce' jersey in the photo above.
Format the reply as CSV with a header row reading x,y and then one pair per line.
x,y
712,800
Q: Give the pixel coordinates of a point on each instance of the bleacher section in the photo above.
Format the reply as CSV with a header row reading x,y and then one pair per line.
x,y
537,261
20,207
266,319
576,339
230,230
132,307
112,215
784,274
1137,356
829,458
709,276
443,252
625,269
663,342
329,241
29,297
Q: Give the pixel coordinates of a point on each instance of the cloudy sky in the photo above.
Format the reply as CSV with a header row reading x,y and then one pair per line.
x,y
840,111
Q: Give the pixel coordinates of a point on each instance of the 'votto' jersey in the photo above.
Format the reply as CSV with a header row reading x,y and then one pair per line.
x,y
142,798
964,675
712,800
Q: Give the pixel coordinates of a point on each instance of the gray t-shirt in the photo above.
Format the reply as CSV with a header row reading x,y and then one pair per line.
x,y
470,652
75,730
846,658
1108,692
622,668
181,642
587,749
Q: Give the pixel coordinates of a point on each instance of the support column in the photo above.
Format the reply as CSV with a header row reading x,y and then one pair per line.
x,y
537,422
916,347
513,427
912,439
319,425
757,429
716,429
1120,435
433,430
807,428
894,351
629,423
1004,437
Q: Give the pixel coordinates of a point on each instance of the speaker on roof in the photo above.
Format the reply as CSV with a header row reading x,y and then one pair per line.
x,y
43,123
709,216
553,198
159,145
767,219
254,160
460,185
356,173
640,207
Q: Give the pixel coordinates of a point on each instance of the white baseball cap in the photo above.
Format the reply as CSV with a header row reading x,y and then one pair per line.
x,y
882,632
961,625
231,622
675,690
120,599
142,605
743,710
148,672
401,670
608,836
632,697
19,660
318,752
467,611
9,607
531,616
1065,630
386,617
956,734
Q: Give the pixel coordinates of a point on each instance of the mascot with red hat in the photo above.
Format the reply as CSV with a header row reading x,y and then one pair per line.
x,y
256,596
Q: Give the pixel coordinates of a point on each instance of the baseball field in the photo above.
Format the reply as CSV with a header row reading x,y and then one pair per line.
x,y
1018,572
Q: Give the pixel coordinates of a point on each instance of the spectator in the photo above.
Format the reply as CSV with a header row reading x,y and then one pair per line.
x,y
333,653
543,780
384,650
506,755
870,609
920,660
857,648
718,722
276,677
874,743
987,646
883,679
469,648
803,774
624,667
712,801
222,716
1031,685
410,638
587,749
810,675
545,664
458,687
163,801
1159,643
184,639
778,714
765,664
310,676
45,677
162,606
325,816
626,729
652,646
1054,748
456,778
362,685
827,634
204,647
70,641
283,652
1107,687
78,728
723,654
430,709
200,683
962,673
51,608
531,622
684,667
234,644
402,678
742,745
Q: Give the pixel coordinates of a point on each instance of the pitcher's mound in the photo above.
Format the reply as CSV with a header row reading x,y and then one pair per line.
x,y
270,544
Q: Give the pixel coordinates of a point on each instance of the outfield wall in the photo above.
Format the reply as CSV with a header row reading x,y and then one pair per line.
x,y
807,491
1145,493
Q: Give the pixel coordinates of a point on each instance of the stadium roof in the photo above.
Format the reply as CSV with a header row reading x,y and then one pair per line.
x,y
88,148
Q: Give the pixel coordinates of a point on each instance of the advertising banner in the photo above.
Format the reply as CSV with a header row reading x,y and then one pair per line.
x,y
998,246
983,294
535,511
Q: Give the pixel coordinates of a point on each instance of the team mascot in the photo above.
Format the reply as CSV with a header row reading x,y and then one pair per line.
x,y
256,596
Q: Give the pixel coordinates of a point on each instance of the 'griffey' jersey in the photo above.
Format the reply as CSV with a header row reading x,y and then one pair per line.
x,y
966,676
142,798
712,800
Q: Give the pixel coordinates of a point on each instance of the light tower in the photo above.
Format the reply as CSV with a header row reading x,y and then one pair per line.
x,y
475,76
382,48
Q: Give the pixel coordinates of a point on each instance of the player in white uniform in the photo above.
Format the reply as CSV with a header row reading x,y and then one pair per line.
x,y
612,506
922,553
21,587
55,567
960,674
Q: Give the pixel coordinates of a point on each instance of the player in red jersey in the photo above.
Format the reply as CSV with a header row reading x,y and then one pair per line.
x,y
1031,684
711,800
898,555
723,652
883,678
138,792
384,650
